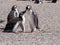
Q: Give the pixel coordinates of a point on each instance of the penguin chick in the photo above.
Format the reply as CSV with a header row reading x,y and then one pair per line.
x,y
33,15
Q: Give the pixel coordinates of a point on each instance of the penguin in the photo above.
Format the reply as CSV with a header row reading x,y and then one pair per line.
x,y
14,23
12,19
11,24
34,17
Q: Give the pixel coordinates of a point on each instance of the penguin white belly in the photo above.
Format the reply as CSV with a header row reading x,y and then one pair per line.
x,y
16,13
23,22
23,19
28,23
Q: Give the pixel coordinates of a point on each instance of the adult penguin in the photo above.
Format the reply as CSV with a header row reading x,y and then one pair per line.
x,y
11,19
33,17
14,23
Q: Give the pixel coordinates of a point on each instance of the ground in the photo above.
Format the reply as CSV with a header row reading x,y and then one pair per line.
x,y
49,22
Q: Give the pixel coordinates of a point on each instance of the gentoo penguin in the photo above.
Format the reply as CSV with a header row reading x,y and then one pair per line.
x,y
13,13
12,19
14,23
33,17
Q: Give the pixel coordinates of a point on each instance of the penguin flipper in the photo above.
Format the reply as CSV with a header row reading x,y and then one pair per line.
x,y
35,20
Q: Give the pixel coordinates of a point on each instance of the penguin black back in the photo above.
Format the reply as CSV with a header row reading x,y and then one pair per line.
x,y
12,13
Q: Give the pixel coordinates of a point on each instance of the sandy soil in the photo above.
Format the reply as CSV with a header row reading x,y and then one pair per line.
x,y
49,22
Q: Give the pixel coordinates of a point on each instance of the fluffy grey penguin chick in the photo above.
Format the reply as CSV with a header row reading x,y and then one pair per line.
x,y
33,16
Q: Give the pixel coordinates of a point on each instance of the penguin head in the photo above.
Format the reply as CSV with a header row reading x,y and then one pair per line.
x,y
28,7
14,7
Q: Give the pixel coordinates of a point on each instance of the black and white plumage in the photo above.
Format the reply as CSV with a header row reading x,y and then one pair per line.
x,y
33,16
21,16
10,25
12,19
13,13
35,20
13,24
